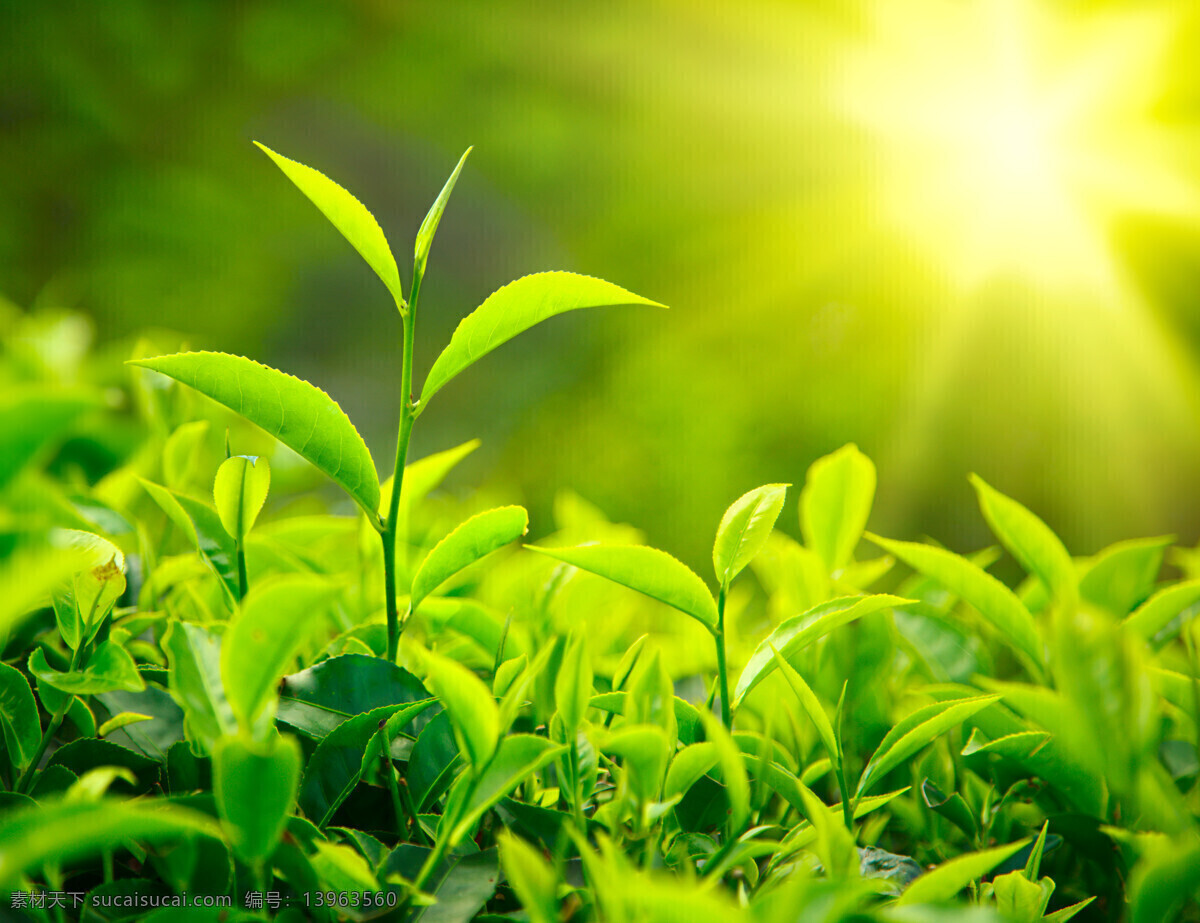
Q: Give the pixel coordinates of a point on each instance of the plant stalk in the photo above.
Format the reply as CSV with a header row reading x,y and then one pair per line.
x,y
722,670
407,415
56,721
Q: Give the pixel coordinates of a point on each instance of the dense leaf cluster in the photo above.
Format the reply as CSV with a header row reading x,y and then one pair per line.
x,y
215,681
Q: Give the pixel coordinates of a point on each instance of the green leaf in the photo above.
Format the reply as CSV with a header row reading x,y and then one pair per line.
x,y
532,880
240,491
835,503
801,630
573,685
951,877
688,766
66,831
472,709
952,807
515,308
644,748
745,528
316,700
277,619
201,524
478,536
646,570
1018,898
22,728
1122,575
991,598
180,453
1029,540
348,215
430,225
517,758
337,765
118,721
301,416
917,730
733,773
463,890
255,788
1161,609
109,667
1163,879
194,679
812,708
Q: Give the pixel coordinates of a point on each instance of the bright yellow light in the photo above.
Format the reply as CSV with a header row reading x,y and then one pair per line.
x,y
1009,138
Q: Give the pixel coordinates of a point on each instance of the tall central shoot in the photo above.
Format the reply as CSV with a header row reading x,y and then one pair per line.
x,y
309,422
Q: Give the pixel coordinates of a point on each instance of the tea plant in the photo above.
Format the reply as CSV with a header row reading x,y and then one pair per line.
x,y
213,686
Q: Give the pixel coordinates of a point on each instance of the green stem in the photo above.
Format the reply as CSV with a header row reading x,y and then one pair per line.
x,y
722,670
56,721
404,822
407,415
243,579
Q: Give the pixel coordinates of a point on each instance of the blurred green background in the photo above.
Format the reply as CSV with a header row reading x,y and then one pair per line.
x,y
963,235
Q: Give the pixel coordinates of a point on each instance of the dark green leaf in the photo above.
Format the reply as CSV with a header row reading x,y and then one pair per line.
x,y
22,729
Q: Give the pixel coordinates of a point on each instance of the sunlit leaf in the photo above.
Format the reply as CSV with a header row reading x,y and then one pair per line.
x,y
835,503
515,308
255,788
301,416
744,529
477,537
240,491
949,878
348,215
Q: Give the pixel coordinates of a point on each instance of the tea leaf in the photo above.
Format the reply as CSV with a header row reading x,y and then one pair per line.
x,y
646,570
951,877
301,416
31,419
1029,540
124,719
516,759
430,225
422,476
515,308
801,630
472,709
277,619
688,766
471,540
532,880
255,788
573,685
109,667
835,503
644,748
201,524
744,529
991,598
240,491
1162,880
914,732
812,708
1157,612
348,215
1122,576
21,725
194,658
733,772
63,831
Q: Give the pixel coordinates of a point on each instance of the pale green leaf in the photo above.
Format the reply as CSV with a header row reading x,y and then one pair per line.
x,y
515,308
744,529
646,570
733,772
348,215
835,503
473,712
22,728
917,730
991,598
194,680
812,708
124,719
239,491
430,225
1029,540
109,667
945,881
471,540
801,630
301,416
1161,609
277,619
